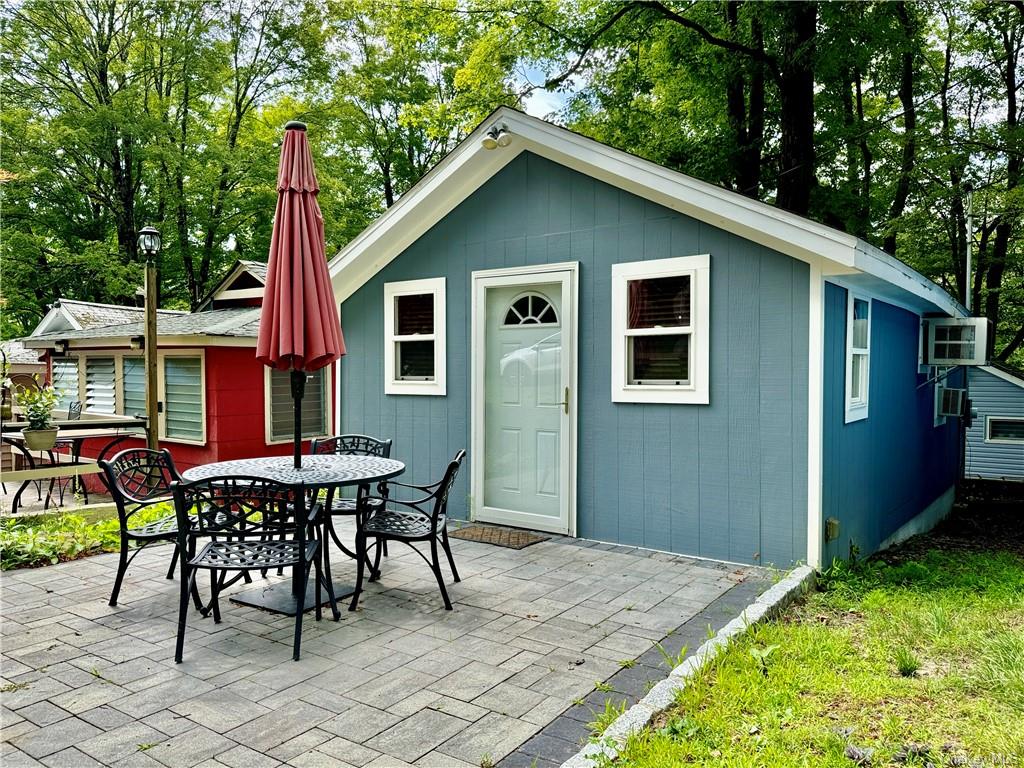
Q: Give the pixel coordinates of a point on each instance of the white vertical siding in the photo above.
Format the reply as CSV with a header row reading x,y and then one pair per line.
x,y
993,396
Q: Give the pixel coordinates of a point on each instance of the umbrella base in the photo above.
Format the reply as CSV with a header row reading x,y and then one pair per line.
x,y
278,597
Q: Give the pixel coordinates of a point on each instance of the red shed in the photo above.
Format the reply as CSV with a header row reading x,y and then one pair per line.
x,y
216,402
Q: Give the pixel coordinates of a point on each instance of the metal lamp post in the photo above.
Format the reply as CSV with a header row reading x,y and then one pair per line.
x,y
149,244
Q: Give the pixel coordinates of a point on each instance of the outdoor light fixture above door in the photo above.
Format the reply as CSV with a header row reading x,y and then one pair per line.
x,y
497,136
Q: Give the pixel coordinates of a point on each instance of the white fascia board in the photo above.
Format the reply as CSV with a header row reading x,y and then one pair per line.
x,y
446,185
877,262
999,374
469,166
759,222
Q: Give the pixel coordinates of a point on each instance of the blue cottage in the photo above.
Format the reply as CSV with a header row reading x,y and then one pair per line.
x,y
635,356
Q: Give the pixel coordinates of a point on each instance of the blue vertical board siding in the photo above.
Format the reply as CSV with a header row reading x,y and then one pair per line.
x,y
993,396
726,480
880,472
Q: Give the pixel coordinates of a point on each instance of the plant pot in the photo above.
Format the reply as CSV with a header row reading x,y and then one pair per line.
x,y
40,439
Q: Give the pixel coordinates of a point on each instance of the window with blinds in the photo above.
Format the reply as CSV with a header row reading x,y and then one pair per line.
x,y
134,386
660,330
65,382
314,406
183,398
99,385
414,337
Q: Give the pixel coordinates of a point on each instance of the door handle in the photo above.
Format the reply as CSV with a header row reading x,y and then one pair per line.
x,y
565,402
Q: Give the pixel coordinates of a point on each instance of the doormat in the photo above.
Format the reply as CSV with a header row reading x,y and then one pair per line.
x,y
513,538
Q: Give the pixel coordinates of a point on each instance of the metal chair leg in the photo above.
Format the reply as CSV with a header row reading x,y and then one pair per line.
x,y
174,562
122,566
300,606
360,566
215,595
448,551
435,566
187,585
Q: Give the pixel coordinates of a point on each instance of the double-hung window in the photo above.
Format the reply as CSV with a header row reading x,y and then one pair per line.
x,y
858,356
661,330
281,424
414,337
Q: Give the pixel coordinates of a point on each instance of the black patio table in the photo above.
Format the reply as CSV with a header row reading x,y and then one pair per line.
x,y
330,472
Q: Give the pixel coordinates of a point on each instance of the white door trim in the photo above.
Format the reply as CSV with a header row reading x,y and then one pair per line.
x,y
480,281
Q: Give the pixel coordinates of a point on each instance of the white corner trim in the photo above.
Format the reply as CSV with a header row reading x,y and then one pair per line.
x,y
435,286
815,412
768,605
697,391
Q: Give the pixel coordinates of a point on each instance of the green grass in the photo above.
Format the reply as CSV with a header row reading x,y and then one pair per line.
x,y
923,653
36,540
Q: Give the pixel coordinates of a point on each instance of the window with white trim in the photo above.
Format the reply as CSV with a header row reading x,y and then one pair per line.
x,y
183,398
858,356
1004,429
65,381
414,337
661,330
281,427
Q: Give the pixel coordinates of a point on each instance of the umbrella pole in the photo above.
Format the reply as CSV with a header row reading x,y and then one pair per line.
x,y
298,390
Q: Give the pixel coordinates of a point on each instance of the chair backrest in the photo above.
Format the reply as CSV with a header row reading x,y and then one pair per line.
x,y
240,507
440,495
352,445
139,477
75,411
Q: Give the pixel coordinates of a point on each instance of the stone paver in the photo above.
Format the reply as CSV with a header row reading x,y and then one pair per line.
x,y
399,682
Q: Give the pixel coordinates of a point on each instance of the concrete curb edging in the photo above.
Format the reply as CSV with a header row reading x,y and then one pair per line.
x,y
769,604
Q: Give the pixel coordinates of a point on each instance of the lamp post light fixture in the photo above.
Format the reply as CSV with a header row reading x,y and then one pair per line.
x,y
149,244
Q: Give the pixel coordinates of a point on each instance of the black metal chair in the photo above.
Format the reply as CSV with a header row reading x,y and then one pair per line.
x,y
424,519
244,518
75,411
139,478
350,445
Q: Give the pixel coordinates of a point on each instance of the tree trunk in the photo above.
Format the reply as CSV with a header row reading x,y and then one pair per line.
x,y
906,93
796,97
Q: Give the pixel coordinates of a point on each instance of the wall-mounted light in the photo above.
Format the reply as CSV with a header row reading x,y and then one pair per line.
x,y
137,342
497,136
61,346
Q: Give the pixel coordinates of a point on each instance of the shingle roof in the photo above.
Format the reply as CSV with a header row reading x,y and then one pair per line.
x,y
16,352
90,314
238,322
257,268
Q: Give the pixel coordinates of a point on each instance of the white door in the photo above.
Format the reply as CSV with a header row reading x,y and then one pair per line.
x,y
524,409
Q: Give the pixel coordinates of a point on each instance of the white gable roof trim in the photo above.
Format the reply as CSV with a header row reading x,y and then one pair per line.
x,y
469,166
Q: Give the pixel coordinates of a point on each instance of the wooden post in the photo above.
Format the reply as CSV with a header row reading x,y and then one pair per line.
x,y
152,422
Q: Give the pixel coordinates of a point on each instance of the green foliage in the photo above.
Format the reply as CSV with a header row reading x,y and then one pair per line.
x,y
31,541
607,716
907,663
761,656
832,686
37,404
673,661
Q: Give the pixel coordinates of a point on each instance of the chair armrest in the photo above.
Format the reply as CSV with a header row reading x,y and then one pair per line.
x,y
429,487
314,512
412,504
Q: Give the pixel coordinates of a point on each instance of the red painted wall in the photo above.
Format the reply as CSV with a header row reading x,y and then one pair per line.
x,y
235,408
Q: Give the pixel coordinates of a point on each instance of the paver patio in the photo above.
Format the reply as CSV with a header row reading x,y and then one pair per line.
x,y
399,682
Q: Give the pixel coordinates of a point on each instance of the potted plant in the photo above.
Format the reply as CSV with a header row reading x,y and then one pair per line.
x,y
37,405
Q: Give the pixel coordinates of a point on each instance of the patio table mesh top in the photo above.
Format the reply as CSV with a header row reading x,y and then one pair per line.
x,y
315,470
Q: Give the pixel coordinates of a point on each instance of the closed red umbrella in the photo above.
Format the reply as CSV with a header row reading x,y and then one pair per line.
x,y
299,327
